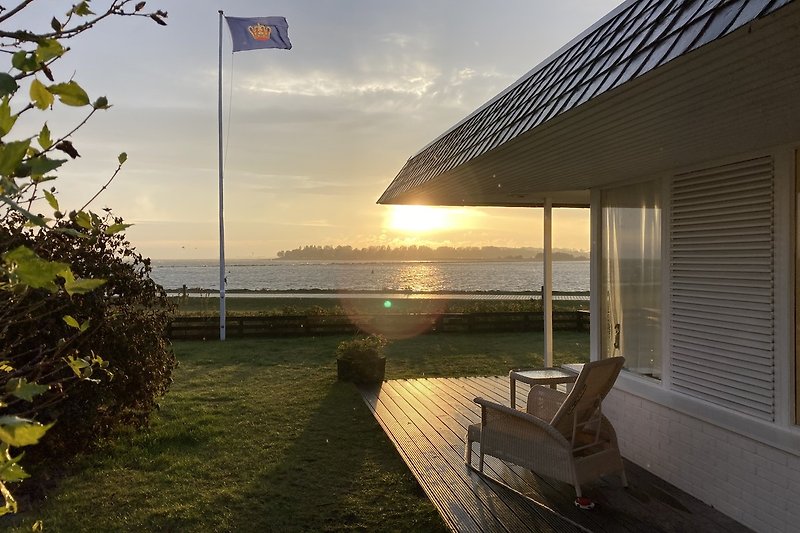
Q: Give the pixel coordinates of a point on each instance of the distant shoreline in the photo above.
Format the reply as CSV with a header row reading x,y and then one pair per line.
x,y
253,261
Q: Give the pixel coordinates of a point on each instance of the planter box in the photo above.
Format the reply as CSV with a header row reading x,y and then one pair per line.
x,y
366,371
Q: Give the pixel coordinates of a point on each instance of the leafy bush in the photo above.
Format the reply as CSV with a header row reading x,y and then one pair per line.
x,y
53,327
361,360
362,348
123,322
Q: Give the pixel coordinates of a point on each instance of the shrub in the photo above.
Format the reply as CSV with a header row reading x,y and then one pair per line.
x,y
361,360
362,348
123,321
52,323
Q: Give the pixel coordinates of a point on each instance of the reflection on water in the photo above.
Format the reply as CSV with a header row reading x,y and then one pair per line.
x,y
418,277
515,276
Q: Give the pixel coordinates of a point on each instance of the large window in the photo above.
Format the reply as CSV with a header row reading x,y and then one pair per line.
x,y
631,276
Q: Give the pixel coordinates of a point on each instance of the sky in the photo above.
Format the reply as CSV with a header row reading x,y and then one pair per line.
x,y
313,135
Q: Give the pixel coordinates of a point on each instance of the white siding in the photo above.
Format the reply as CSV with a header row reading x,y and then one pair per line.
x,y
722,295
752,482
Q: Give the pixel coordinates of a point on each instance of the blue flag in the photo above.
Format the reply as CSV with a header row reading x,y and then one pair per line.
x,y
259,32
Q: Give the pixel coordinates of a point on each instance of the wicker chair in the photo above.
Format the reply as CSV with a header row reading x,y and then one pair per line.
x,y
562,436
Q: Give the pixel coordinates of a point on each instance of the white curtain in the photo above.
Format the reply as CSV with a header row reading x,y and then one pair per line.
x,y
631,277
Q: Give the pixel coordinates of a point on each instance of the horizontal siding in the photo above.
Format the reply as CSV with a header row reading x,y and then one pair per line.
x,y
722,291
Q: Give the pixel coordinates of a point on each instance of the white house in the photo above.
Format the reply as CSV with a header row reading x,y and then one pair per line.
x,y
678,123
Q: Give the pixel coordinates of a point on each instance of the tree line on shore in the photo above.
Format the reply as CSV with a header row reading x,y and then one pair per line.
x,y
425,253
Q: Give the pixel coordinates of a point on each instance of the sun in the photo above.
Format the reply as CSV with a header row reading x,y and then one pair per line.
x,y
418,219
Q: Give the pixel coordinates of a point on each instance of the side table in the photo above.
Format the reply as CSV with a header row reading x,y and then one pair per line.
x,y
539,376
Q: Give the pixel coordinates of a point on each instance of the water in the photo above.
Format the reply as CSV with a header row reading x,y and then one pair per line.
x,y
422,276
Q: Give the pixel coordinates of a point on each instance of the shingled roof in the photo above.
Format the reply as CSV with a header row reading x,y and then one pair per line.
x,y
635,39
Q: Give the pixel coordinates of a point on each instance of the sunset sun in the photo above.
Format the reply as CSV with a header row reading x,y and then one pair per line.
x,y
418,219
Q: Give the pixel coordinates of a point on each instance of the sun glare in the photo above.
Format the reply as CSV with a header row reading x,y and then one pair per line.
x,y
418,219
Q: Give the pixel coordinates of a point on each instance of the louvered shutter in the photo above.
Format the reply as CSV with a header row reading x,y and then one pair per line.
x,y
722,286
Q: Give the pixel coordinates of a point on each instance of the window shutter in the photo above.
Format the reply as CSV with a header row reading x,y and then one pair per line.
x,y
722,286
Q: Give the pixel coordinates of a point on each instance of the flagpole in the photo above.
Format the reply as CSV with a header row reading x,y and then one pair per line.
x,y
221,200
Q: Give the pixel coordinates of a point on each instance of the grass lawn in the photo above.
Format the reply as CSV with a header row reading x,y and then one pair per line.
x,y
257,435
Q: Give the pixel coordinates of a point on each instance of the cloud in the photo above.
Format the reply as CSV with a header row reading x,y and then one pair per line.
x,y
400,40
378,83
300,185
415,79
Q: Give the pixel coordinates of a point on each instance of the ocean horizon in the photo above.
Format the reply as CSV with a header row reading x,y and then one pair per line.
x,y
378,276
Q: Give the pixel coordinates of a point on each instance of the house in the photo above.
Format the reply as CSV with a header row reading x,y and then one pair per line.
x,y
678,123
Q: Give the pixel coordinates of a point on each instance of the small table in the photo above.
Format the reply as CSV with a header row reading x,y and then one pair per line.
x,y
539,376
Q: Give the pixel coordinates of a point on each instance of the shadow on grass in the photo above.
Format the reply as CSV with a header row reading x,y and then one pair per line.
x,y
337,475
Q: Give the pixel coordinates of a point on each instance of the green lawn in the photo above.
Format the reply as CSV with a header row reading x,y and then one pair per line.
x,y
257,435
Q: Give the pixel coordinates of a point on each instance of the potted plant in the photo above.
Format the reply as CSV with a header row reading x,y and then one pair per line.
x,y
361,360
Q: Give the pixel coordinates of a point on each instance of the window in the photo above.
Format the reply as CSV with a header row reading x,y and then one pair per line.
x,y
631,276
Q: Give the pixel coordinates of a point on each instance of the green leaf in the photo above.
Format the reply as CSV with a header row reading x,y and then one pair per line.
x,y
11,155
51,199
45,140
5,366
20,388
70,93
122,158
40,95
101,103
71,322
32,219
24,61
81,9
81,367
82,286
71,232
12,472
78,363
27,268
8,85
7,120
83,219
39,166
48,49
16,431
116,228
84,326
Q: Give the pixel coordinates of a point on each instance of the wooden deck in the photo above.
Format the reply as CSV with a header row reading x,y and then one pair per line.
x,y
426,419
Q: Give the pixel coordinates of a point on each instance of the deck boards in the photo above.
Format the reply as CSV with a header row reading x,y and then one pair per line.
x,y
426,420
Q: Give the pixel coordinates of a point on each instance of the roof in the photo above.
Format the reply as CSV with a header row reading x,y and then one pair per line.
x,y
636,40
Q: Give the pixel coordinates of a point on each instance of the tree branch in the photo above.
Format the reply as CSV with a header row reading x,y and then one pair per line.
x,y
104,187
13,11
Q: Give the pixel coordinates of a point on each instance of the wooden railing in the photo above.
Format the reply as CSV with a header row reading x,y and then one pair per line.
x,y
391,325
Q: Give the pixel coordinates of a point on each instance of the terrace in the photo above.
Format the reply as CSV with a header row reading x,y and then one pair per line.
x,y
426,420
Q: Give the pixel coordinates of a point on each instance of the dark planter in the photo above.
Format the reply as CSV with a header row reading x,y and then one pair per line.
x,y
362,371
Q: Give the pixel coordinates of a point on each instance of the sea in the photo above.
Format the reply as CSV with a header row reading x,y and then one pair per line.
x,y
408,276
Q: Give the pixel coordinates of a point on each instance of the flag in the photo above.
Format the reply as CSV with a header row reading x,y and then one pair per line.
x,y
259,32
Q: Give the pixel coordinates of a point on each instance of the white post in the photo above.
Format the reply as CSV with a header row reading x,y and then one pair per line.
x,y
547,289
221,200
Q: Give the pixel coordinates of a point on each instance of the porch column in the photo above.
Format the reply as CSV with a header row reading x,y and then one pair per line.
x,y
547,289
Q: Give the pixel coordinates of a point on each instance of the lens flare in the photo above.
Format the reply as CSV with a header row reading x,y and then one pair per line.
x,y
403,319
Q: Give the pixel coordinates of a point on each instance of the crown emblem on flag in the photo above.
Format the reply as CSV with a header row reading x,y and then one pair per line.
x,y
260,32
